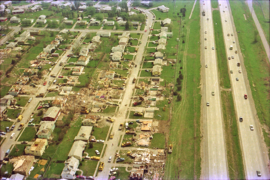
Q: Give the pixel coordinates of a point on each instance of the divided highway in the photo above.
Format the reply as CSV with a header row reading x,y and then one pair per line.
x,y
214,158
254,154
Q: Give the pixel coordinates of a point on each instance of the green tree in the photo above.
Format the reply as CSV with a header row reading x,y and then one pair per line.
x,y
99,17
179,97
127,26
90,10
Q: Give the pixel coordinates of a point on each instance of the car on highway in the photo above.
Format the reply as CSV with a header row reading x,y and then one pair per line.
x,y
232,57
207,104
259,173
229,58
251,127
240,119
213,93
237,79
44,84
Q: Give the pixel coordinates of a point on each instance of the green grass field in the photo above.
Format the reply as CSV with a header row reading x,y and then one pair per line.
x,y
147,65
17,150
261,9
12,113
158,141
22,101
122,173
221,54
184,162
256,62
214,3
28,134
88,167
55,170
5,124
101,133
234,154
4,90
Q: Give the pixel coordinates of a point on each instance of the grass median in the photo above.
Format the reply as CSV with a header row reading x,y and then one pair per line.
x,y
256,62
221,53
234,154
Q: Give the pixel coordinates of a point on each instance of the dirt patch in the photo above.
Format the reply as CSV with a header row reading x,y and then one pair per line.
x,y
245,16
164,128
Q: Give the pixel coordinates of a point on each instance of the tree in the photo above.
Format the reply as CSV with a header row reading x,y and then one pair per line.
x,y
181,76
77,4
91,145
99,17
45,5
179,98
62,26
40,113
179,88
90,10
127,26
136,3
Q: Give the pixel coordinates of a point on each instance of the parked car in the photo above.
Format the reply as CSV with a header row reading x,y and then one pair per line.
x,y
259,173
213,93
229,58
251,127
39,107
3,34
207,104
97,152
110,159
44,84
70,55
237,79
60,76
120,159
239,71
232,57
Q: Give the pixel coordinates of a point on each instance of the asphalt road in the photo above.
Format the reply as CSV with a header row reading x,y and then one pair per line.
x,y
260,30
214,157
253,151
112,145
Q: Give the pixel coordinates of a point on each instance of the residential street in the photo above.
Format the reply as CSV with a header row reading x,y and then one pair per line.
x,y
121,116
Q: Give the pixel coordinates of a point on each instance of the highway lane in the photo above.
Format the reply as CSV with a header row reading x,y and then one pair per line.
x,y
254,154
215,160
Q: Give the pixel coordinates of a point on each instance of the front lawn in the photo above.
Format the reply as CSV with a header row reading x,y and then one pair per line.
x,y
22,101
28,134
88,167
147,65
130,49
110,109
158,141
12,113
17,150
146,74
5,124
55,170
128,56
101,133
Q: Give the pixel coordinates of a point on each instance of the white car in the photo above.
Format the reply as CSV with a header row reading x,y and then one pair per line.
x,y
110,159
251,127
207,104
97,152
